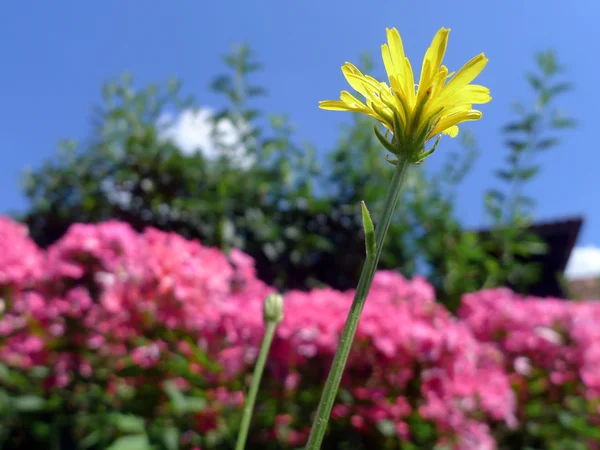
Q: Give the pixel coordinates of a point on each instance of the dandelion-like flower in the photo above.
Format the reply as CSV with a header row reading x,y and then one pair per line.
x,y
413,114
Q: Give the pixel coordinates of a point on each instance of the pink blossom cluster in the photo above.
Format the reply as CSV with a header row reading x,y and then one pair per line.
x,y
143,279
20,259
550,338
104,288
404,339
107,297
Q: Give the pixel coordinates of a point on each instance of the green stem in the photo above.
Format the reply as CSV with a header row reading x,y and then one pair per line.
x,y
364,284
256,376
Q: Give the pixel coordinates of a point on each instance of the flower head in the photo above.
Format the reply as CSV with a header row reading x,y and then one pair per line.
x,y
411,113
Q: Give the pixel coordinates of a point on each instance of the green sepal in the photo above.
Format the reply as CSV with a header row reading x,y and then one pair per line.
x,y
393,162
387,144
424,155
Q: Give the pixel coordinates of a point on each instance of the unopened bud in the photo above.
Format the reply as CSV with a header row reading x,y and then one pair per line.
x,y
273,308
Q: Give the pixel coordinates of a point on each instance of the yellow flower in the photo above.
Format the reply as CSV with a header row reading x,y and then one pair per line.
x,y
414,114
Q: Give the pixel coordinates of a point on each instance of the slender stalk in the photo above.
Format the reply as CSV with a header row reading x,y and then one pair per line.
x,y
256,376
364,284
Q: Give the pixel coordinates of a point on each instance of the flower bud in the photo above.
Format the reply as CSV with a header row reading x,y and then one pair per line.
x,y
273,308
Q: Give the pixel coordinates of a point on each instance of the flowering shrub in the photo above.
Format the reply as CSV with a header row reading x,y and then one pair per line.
x,y
552,353
117,339
411,359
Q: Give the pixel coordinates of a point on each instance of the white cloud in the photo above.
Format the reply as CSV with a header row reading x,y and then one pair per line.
x,y
192,131
584,263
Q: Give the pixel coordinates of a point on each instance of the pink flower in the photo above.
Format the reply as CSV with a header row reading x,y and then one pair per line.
x,y
21,262
146,356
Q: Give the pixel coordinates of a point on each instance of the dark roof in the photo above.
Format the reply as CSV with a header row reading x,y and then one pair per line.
x,y
560,237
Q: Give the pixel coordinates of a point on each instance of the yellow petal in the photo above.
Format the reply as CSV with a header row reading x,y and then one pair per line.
x,y
352,101
438,47
334,105
454,119
424,83
470,94
434,56
396,51
467,73
449,111
439,79
368,86
390,69
338,105
409,84
356,79
431,64
387,61
452,131
473,93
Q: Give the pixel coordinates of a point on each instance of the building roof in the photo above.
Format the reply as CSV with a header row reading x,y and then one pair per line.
x,y
560,237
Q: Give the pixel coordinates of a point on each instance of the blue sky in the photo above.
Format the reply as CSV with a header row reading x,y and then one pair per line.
x,y
57,54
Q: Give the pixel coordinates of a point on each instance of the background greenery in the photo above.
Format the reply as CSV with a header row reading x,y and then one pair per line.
x,y
293,208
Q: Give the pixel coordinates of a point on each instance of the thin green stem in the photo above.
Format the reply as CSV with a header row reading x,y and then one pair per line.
x,y
364,284
256,376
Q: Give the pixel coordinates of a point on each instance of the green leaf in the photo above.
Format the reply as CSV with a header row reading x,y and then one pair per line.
x,y
517,146
527,173
534,409
548,63
525,125
369,231
560,88
513,126
4,373
29,403
128,423
195,404
422,430
534,81
222,84
496,195
175,396
91,440
255,91
566,419
134,442
505,174
562,123
171,438
545,144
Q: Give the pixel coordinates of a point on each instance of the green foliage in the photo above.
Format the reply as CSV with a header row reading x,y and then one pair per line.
x,y
92,413
259,199
267,195
510,210
553,419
